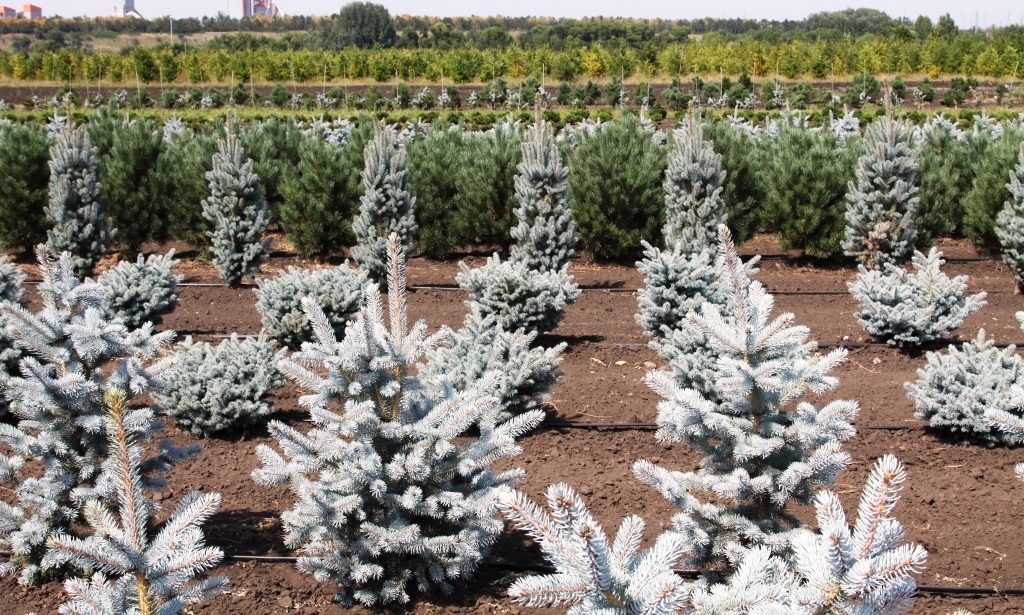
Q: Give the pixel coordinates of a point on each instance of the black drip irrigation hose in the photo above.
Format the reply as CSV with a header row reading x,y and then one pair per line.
x,y
643,425
850,345
689,574
607,289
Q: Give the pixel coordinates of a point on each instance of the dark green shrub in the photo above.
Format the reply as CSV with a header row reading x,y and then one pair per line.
x,y
140,99
865,88
183,165
169,99
927,90
945,174
742,191
804,180
320,198
24,179
615,180
432,163
273,146
279,96
989,190
132,186
486,184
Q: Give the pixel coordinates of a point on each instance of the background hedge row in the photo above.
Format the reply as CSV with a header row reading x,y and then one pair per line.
x,y
792,184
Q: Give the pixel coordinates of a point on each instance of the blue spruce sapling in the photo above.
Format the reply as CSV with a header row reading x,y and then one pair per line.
x,y
694,181
1010,223
77,355
955,390
337,291
530,290
11,352
866,569
482,348
77,211
881,205
238,211
394,482
217,389
135,574
387,205
906,309
137,292
545,233
764,447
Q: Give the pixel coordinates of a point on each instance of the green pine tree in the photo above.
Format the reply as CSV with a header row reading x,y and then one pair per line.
x,y
805,175
742,188
486,183
947,164
24,174
989,190
182,167
273,146
319,199
615,185
132,187
432,161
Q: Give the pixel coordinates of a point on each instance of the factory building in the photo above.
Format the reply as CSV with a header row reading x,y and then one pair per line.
x,y
126,8
260,8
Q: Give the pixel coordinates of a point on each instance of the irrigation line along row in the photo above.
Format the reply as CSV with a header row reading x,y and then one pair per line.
x,y
453,288
690,574
642,425
851,345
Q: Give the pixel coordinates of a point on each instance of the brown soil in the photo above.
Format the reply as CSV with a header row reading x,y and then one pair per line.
x,y
961,502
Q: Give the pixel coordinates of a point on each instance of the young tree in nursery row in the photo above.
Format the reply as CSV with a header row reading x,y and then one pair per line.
x,y
615,182
1010,223
759,450
77,211
805,175
132,572
694,182
11,351
387,205
77,357
238,211
320,193
24,151
394,482
909,309
838,569
882,203
525,291
545,234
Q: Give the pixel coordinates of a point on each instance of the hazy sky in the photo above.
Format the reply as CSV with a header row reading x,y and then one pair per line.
x,y
985,13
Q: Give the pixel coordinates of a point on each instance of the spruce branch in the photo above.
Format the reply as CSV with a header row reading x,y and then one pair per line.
x,y
78,356
761,452
136,574
394,482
